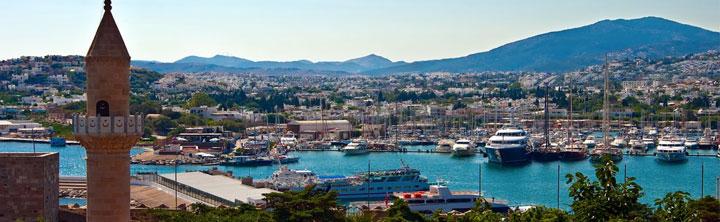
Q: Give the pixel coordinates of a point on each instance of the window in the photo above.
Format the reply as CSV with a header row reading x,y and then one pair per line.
x,y
459,200
102,108
415,201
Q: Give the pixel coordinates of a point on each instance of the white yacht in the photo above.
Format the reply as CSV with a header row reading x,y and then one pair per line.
x,y
590,142
509,145
287,179
441,198
463,147
356,147
706,141
619,142
444,146
691,143
671,148
648,143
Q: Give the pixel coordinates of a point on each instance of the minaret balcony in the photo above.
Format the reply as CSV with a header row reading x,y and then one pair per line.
x,y
108,125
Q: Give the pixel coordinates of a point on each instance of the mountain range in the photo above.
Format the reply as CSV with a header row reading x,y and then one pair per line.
x,y
560,51
220,63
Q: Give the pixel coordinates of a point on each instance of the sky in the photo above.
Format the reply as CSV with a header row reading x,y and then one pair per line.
x,y
316,30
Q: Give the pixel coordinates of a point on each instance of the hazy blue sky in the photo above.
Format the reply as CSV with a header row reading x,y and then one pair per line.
x,y
318,30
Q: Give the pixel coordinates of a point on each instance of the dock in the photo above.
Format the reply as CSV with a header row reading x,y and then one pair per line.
x,y
218,190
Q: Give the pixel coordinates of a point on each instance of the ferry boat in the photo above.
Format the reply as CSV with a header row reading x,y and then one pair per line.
x,y
375,184
441,198
463,147
444,146
356,148
286,179
671,148
509,145
590,142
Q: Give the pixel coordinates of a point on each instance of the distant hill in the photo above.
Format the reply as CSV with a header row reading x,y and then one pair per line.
x,y
221,63
577,48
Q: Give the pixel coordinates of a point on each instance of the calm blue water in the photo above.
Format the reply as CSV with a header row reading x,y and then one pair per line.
x,y
534,183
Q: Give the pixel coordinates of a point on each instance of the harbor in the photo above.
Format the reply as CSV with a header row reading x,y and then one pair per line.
x,y
509,183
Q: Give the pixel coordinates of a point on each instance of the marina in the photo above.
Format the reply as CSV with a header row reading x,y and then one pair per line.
x,y
509,183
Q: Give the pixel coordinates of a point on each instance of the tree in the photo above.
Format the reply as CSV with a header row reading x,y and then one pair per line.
x,y
200,99
400,211
674,207
201,212
707,208
606,199
306,205
539,213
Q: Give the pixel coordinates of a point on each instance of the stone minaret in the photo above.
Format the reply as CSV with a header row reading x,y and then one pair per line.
x,y
108,131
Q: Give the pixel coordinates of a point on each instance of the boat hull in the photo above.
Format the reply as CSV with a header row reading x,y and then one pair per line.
x,y
463,153
572,155
671,156
544,156
706,146
514,155
355,152
596,158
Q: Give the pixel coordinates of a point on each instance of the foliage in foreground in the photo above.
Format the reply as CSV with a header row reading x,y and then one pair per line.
x,y
603,200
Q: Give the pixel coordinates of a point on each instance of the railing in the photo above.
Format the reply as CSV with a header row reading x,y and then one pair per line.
x,y
105,125
187,190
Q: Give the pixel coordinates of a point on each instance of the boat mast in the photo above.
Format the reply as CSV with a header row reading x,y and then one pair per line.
x,y
606,108
569,133
547,119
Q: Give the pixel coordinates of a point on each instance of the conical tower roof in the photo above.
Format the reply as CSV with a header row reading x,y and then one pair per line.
x,y
108,42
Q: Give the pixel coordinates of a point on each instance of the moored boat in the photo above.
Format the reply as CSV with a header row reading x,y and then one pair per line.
x,y
357,147
440,198
463,148
509,145
671,148
444,146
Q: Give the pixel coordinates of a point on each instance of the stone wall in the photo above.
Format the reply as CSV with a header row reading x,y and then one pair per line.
x,y
29,186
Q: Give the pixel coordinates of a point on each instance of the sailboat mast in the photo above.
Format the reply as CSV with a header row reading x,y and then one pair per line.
x,y
606,108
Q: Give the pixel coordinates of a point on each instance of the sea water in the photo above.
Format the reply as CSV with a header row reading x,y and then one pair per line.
x,y
533,183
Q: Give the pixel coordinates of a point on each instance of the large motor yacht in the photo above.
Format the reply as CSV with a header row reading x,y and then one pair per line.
x,y
509,145
671,148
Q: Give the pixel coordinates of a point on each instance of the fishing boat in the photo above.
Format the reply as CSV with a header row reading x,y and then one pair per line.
x,y
463,148
357,147
509,145
374,184
671,148
442,199
444,146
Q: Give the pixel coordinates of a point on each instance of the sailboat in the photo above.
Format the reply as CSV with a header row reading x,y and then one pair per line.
x,y
573,149
605,149
546,152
